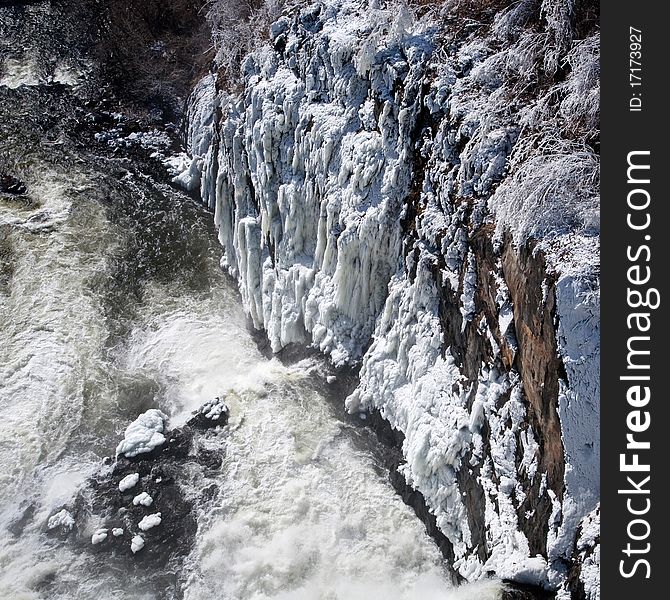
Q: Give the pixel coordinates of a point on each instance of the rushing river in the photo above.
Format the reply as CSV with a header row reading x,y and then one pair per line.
x,y
112,302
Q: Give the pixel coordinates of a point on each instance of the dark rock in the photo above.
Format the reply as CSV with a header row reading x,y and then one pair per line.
x,y
210,459
210,414
11,185
209,493
17,526
540,368
415,499
177,443
521,591
115,509
160,476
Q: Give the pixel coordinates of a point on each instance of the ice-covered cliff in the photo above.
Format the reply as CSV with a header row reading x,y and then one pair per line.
x,y
418,198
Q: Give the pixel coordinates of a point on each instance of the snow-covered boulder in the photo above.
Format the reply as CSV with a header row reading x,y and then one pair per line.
x,y
63,519
150,521
144,434
211,414
99,536
128,482
137,543
143,499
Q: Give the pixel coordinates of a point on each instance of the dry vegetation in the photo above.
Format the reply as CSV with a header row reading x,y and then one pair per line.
x,y
544,57
237,28
155,50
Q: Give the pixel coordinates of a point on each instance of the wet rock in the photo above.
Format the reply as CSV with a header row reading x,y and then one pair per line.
x,y
178,444
209,493
61,522
114,508
17,526
521,591
144,435
11,185
210,459
211,414
138,507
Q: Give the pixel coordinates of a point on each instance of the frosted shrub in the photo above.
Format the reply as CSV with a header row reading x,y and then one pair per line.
x,y
550,194
237,27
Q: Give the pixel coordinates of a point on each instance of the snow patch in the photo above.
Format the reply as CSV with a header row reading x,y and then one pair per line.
x,y
62,519
144,434
99,536
129,482
144,499
150,521
137,543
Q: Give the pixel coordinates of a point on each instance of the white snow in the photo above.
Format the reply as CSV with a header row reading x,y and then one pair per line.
x,y
192,173
156,140
129,481
99,536
137,543
214,409
71,73
117,532
150,521
588,545
62,519
144,434
144,499
18,72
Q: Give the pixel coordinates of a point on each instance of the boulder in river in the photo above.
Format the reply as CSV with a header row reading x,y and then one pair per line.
x,y
210,414
140,507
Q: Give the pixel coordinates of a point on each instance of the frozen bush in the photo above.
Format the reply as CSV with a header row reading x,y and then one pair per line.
x,y
237,27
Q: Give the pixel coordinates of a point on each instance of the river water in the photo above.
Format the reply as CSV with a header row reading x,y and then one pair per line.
x,y
112,302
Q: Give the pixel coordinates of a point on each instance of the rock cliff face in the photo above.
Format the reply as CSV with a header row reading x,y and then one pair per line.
x,y
418,198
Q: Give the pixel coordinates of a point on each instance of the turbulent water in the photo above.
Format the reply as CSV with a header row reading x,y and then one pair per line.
x,y
112,301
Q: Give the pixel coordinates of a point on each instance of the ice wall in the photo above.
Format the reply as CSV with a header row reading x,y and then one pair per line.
x,y
419,198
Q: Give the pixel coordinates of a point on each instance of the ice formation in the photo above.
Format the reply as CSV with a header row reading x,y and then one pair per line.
x,y
137,543
144,434
421,211
129,482
214,409
144,499
99,536
150,521
62,519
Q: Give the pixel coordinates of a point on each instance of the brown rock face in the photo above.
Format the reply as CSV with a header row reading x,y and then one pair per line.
x,y
540,368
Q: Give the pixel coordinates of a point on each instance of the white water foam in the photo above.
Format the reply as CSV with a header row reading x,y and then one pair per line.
x,y
303,511
17,72
51,336
51,331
